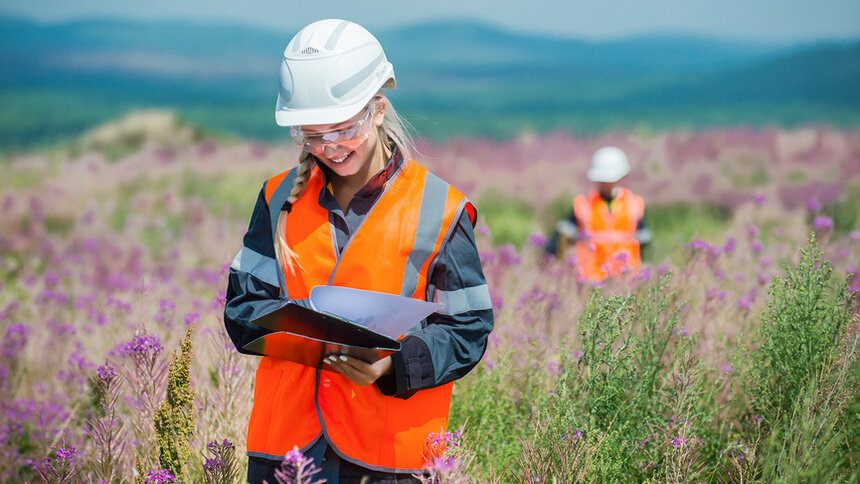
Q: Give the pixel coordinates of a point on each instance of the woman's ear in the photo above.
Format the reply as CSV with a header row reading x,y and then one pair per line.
x,y
379,114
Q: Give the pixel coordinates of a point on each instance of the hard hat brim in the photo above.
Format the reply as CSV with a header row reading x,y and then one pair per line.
x,y
605,176
304,117
327,115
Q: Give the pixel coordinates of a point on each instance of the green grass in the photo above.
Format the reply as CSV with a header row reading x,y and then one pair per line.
x,y
674,225
510,220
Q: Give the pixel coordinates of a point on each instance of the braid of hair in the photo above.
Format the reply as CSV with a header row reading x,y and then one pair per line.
x,y
286,255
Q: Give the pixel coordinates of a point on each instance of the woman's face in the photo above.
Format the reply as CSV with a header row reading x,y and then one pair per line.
x,y
347,147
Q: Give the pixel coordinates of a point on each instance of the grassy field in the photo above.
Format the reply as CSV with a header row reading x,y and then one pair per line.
x,y
729,357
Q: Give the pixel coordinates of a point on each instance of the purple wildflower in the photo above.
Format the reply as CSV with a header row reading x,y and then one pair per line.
x,y
61,469
537,240
698,244
66,453
106,373
221,467
756,246
142,344
161,476
822,222
644,274
679,441
508,255
813,205
730,245
191,318
295,456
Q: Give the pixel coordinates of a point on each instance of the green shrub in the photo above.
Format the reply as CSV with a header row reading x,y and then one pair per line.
x,y
804,325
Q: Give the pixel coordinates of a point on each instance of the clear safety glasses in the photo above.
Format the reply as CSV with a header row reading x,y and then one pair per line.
x,y
350,137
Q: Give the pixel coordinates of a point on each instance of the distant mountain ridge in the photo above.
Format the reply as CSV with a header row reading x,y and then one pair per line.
x,y
242,51
454,78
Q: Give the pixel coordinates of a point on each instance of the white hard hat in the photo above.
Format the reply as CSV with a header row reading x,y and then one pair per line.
x,y
609,164
331,69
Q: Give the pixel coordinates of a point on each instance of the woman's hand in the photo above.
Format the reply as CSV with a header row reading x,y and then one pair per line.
x,y
357,370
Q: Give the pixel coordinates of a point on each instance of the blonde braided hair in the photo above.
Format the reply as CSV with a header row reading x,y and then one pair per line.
x,y
393,132
286,255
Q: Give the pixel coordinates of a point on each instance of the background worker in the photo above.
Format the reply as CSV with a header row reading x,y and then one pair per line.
x,y
607,226
357,212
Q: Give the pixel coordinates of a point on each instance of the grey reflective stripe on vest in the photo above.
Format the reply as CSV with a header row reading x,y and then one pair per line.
x,y
345,86
430,219
258,265
462,300
275,203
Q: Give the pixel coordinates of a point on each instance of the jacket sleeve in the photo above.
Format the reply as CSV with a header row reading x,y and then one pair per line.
x,y
643,233
569,227
450,344
253,288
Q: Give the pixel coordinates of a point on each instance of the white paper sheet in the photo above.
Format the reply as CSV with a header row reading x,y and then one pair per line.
x,y
387,314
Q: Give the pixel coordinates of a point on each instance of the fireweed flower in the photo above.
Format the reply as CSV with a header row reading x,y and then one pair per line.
x,y
698,245
60,469
191,318
537,240
756,246
813,205
822,222
15,339
508,255
161,476
730,245
295,457
220,468
679,441
644,274
106,373
141,345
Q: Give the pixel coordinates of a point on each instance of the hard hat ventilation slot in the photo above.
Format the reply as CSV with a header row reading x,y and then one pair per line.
x,y
309,51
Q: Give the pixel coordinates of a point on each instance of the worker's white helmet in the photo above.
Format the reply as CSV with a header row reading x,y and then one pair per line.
x,y
331,69
609,164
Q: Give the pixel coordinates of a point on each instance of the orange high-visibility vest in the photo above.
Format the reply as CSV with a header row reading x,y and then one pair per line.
x,y
390,252
607,243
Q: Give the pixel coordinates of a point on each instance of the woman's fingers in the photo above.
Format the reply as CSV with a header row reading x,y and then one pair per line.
x,y
352,368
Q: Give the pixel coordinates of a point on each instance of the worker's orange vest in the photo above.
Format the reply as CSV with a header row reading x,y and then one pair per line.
x,y
607,242
391,252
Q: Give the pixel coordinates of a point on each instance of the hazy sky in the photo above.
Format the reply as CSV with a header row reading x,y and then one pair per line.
x,y
769,20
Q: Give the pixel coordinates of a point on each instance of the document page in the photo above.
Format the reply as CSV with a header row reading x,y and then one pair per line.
x,y
387,314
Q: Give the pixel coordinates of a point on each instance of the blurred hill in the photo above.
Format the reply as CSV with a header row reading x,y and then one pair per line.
x,y
456,79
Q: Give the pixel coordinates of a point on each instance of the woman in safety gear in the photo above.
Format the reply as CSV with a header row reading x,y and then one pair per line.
x,y
607,226
357,212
